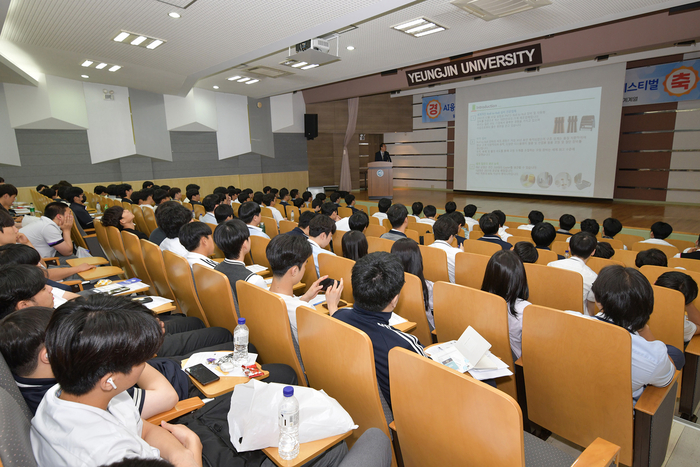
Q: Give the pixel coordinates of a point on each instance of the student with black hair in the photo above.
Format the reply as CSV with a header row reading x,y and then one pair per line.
x,y
429,212
591,226
287,255
489,224
170,217
625,298
321,230
197,239
100,190
566,223
335,196
302,229
377,280
284,197
582,247
51,236
358,221
535,217
505,276
354,245
459,219
160,196
233,238
408,252
22,286
243,197
604,250
611,227
445,230
416,210
76,197
258,197
210,203
543,234
316,205
383,205
350,202
124,192
659,232
249,212
193,196
266,189
692,252
398,218
123,219
294,194
450,206
49,193
8,195
147,184
41,186
175,194
269,201
306,196
469,211
223,213
686,285
526,251
502,227
145,198
651,257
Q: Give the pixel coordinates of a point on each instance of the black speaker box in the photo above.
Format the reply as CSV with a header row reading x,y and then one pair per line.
x,y
310,126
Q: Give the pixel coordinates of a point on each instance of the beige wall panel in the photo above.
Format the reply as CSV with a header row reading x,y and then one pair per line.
x,y
439,134
420,184
418,148
419,161
683,197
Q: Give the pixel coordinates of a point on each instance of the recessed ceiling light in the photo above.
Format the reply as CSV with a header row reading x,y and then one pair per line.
x,y
154,44
430,32
243,80
420,28
215,87
87,63
297,65
308,67
350,47
101,66
114,68
173,14
121,36
252,81
84,76
414,22
138,40
233,78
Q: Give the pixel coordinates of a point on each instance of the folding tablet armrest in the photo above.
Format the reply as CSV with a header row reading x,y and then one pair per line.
x,y
599,453
88,231
53,261
653,396
181,408
77,286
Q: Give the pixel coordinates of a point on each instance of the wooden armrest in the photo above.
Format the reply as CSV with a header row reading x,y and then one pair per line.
x,y
52,260
90,236
693,347
652,397
77,286
519,362
181,408
599,453
392,425
89,231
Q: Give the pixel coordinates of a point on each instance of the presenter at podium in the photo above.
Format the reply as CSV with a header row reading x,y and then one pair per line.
x,y
382,155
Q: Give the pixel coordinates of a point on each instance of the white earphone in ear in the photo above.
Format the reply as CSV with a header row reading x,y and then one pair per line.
x,y
111,381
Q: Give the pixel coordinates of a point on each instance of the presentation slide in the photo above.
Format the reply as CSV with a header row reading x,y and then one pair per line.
x,y
537,144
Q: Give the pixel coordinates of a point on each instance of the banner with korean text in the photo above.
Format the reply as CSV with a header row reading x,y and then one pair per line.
x,y
669,82
439,108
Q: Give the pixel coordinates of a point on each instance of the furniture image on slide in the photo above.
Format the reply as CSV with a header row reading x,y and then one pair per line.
x,y
380,179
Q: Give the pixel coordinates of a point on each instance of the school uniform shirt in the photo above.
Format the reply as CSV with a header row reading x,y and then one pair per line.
x,y
393,235
138,233
44,235
497,240
71,434
425,220
343,224
470,223
152,208
297,231
58,299
578,265
293,303
380,215
689,329
657,241
208,218
515,328
174,245
81,214
276,215
525,227
256,231
503,234
451,254
317,250
198,258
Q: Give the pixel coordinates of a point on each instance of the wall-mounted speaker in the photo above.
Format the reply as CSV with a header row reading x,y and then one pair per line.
x,y
310,126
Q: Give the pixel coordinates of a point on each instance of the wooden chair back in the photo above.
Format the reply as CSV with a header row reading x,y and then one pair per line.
x,y
198,211
486,313
140,220
545,257
188,206
103,240
481,248
215,297
653,272
626,257
337,267
470,269
338,242
379,244
182,283
685,263
616,244
117,246
680,244
597,264
413,235
560,248
386,224
411,306
373,210
562,237
666,320
362,208
77,237
669,251
270,226
434,264
374,221
217,251
310,275
325,341
374,230
578,378
270,332
149,216
489,422
134,254
344,212
258,245
287,226
266,212
475,234
293,213
520,233
153,258
555,288
628,239
428,238
514,225
236,207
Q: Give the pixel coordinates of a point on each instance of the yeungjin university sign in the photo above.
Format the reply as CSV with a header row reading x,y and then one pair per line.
x,y
528,56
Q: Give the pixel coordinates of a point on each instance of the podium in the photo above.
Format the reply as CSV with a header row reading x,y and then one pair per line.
x,y
380,180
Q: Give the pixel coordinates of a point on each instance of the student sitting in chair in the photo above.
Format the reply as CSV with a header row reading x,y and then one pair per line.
x,y
429,212
469,211
651,257
543,234
685,284
489,224
566,223
123,219
223,213
170,217
302,229
535,217
659,232
198,240
269,201
582,247
51,236
445,230
358,221
210,203
77,200
398,217
249,212
383,204
233,238
416,210
321,230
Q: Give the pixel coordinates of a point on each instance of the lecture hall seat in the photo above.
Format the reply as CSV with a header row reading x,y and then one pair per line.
x,y
134,254
337,267
182,283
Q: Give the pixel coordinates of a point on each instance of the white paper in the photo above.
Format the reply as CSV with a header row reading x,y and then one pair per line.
x,y
157,301
396,319
256,268
472,345
318,299
116,285
448,355
500,370
201,357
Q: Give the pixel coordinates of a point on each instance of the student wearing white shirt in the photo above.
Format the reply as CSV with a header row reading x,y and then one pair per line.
x,y
269,201
501,216
22,286
416,209
52,235
249,212
612,227
429,212
659,232
685,284
287,255
170,217
651,257
582,247
210,203
567,222
198,240
223,213
321,230
469,211
383,204
535,217
445,230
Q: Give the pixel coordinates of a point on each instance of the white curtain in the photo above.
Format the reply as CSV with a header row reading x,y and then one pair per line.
x,y
345,179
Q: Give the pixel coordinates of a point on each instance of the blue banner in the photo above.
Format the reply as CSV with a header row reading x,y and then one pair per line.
x,y
439,108
669,82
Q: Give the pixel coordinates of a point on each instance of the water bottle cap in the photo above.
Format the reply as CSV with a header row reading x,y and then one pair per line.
x,y
288,391
241,320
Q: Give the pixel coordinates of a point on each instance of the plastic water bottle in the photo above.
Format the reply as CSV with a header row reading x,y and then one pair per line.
x,y
240,343
567,254
291,216
262,226
97,208
289,425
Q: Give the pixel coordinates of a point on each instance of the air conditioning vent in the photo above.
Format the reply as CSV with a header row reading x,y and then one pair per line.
x,y
493,9
267,71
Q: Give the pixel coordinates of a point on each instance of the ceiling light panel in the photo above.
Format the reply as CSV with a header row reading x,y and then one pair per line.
x,y
139,40
419,27
98,65
489,10
86,63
